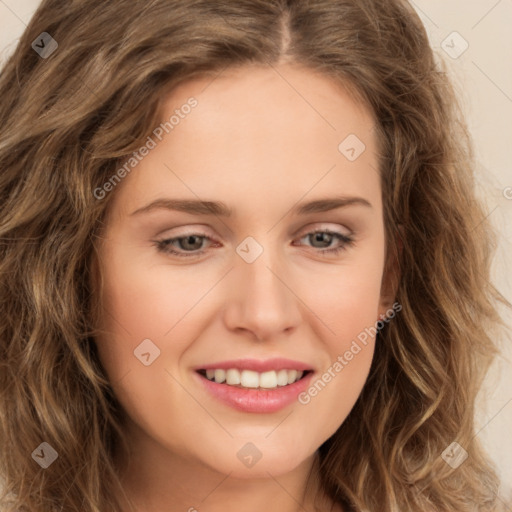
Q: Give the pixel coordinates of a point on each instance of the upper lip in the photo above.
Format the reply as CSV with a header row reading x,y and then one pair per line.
x,y
257,365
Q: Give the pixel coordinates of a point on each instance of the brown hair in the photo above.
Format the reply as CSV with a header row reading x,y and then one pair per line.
x,y
68,120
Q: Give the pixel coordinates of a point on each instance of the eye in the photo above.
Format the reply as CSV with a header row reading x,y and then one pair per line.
x,y
192,244
325,237
188,243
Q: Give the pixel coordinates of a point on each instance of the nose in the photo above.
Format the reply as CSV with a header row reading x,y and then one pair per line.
x,y
261,298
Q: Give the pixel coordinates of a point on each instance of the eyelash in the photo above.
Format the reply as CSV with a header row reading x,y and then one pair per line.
x,y
164,245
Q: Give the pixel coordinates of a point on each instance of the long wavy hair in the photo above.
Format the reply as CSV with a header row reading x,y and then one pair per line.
x,y
66,123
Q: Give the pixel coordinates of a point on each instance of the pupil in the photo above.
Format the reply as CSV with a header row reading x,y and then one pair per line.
x,y
319,236
190,239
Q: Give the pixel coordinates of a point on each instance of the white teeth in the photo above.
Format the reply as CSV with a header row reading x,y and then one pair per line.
x,y
232,377
292,375
220,376
282,377
251,379
268,380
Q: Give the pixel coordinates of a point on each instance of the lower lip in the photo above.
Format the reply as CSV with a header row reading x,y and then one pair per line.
x,y
256,400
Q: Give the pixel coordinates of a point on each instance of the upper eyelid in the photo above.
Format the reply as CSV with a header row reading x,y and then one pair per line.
x,y
304,231
302,234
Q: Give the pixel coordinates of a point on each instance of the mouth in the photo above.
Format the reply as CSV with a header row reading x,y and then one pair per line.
x,y
250,379
253,386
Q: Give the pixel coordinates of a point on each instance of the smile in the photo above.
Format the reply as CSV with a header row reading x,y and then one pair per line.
x,y
255,386
250,379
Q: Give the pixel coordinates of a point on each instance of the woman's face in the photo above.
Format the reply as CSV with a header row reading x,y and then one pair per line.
x,y
281,149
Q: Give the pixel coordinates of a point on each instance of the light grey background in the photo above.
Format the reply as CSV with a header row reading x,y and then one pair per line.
x,y
483,77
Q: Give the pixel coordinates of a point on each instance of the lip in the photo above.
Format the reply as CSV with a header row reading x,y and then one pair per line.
x,y
259,366
255,400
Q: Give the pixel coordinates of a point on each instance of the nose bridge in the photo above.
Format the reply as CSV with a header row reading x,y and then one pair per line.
x,y
261,300
262,278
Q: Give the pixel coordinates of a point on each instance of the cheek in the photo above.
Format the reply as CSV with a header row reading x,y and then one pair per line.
x,y
345,299
332,394
347,306
138,304
350,343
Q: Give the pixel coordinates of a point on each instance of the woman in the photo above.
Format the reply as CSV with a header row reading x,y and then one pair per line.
x,y
256,369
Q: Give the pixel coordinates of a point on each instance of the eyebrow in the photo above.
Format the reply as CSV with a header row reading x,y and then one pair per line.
x,y
197,207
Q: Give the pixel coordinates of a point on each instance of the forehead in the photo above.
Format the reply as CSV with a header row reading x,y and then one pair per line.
x,y
261,130
273,104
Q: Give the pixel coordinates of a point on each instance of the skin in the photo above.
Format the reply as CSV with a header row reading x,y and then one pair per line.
x,y
260,146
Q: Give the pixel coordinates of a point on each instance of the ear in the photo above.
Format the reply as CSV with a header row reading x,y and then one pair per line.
x,y
391,274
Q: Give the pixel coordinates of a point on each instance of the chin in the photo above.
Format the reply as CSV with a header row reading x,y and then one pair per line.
x,y
243,459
